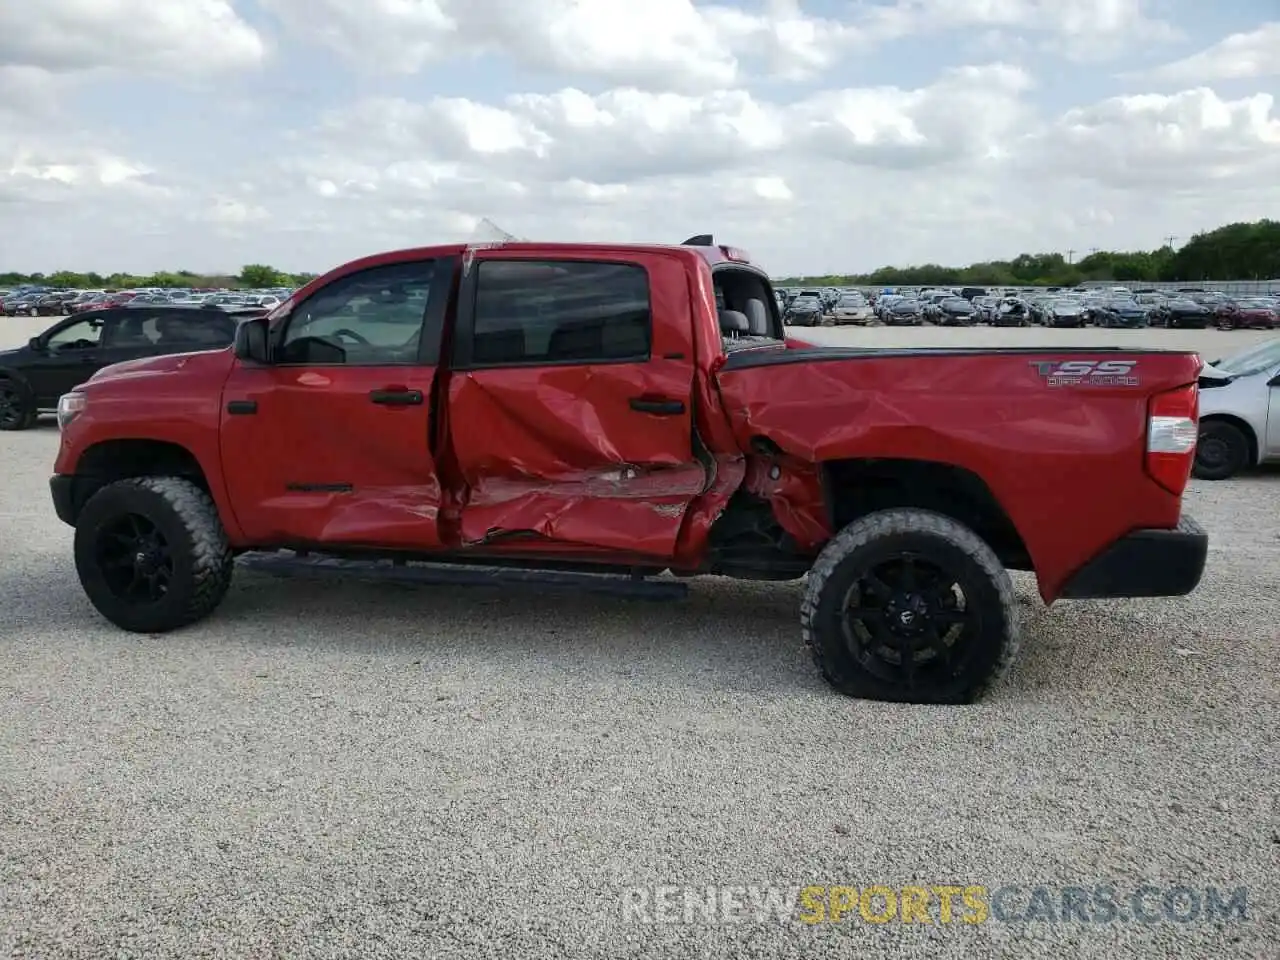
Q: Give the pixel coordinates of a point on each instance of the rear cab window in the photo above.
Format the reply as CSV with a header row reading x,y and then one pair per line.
x,y
744,294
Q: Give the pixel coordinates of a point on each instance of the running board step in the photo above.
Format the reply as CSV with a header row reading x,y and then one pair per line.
x,y
462,575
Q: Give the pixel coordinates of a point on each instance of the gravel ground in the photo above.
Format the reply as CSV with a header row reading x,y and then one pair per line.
x,y
365,770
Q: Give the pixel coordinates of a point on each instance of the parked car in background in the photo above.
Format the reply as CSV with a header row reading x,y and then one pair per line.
x,y
805,311
1251,314
54,304
1239,412
68,353
884,302
24,304
1064,312
985,307
1121,312
1011,312
903,313
1182,313
951,312
852,308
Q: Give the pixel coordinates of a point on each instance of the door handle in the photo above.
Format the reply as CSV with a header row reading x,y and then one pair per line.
x,y
396,398
657,406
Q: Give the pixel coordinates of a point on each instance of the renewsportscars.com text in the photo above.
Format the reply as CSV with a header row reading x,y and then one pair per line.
x,y
939,904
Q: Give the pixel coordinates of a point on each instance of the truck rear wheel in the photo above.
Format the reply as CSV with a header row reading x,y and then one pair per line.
x,y
910,606
152,554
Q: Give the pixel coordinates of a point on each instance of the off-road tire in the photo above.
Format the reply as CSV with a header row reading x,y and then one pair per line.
x,y
879,535
189,522
28,414
1224,437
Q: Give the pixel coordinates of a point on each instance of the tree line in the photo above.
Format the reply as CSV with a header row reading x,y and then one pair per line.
x,y
254,276
1237,251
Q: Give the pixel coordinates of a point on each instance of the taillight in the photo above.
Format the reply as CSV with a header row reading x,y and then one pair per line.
x,y
1172,428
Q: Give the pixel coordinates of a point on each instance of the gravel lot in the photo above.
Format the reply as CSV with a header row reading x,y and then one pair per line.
x,y
364,770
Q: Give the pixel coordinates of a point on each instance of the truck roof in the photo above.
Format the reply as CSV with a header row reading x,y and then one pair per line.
x,y
714,254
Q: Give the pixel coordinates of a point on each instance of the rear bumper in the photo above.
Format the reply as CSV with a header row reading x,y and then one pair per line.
x,y
1145,563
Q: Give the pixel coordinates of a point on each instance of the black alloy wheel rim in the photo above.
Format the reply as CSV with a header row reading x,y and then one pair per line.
x,y
1213,452
911,622
10,406
135,559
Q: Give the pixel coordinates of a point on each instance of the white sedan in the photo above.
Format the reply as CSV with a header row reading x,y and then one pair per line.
x,y
1239,412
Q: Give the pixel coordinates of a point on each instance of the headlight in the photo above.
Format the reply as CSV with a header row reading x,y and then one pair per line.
x,y
69,407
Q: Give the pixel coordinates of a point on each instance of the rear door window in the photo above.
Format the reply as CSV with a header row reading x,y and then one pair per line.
x,y
560,312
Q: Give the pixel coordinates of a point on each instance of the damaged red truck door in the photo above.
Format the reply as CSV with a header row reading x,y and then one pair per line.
x,y
570,402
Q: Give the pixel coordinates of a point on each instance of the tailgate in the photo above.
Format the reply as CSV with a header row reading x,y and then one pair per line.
x,y
1058,435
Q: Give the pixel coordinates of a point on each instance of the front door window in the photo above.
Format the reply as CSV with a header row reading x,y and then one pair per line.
x,y
81,335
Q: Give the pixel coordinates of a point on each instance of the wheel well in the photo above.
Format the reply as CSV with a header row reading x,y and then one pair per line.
x,y
855,488
1240,425
113,460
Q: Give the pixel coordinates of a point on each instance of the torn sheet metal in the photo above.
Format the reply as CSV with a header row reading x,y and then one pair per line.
x,y
559,453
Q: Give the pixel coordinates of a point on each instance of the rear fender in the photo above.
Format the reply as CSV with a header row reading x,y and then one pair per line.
x,y
1063,463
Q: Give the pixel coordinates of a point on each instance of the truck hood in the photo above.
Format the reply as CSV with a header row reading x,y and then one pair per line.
x,y
176,372
198,362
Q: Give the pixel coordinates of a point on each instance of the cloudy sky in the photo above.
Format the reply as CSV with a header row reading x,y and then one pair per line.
x,y
820,135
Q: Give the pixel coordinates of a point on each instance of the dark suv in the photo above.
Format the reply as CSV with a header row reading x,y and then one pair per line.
x,y
32,378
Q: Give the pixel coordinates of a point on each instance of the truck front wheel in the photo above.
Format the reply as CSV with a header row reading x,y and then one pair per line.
x,y
152,554
910,606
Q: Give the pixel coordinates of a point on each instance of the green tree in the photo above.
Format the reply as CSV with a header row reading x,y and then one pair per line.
x,y
1237,251
261,275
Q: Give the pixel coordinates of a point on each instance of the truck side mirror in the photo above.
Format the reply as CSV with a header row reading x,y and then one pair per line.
x,y
35,344
251,341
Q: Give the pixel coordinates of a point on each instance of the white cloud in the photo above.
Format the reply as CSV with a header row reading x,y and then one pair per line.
x,y
1193,142
181,36
661,43
680,45
1082,29
1240,56
653,122
229,211
626,135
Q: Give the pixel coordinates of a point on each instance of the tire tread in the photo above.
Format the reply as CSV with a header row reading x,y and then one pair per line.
x,y
885,523
209,550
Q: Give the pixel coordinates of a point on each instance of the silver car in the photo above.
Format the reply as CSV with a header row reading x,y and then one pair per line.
x,y
1239,412
852,308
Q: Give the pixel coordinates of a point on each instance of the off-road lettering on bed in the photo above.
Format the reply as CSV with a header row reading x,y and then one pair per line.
x,y
1092,373
620,417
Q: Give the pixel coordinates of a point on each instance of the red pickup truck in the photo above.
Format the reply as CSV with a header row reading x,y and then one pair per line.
x,y
631,410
